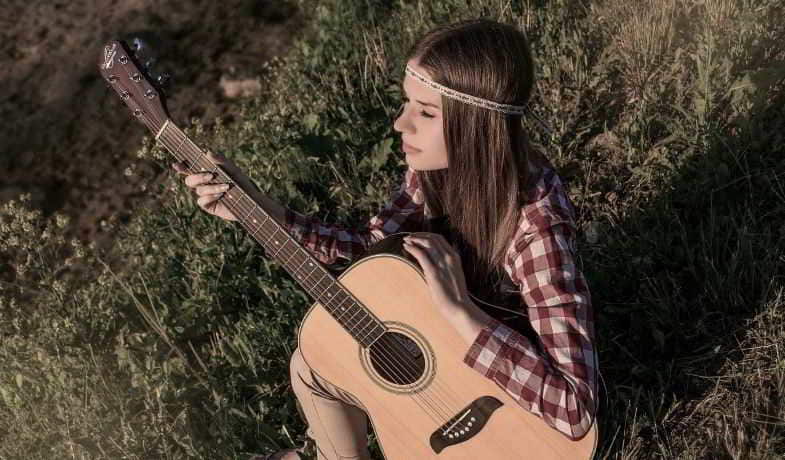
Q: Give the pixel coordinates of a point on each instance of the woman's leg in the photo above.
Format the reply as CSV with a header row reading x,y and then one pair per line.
x,y
335,423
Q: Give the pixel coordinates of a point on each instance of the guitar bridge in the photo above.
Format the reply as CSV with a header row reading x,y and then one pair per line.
x,y
465,424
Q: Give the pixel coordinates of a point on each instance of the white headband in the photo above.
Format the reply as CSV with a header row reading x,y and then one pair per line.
x,y
480,102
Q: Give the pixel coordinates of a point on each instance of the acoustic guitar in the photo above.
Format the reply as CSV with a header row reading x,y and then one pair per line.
x,y
373,330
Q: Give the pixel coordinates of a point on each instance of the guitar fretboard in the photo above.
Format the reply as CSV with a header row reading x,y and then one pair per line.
x,y
277,242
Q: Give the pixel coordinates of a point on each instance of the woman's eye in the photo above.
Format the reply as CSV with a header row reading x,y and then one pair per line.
x,y
423,113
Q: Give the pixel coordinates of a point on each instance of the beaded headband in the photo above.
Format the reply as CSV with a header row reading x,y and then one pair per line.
x,y
480,102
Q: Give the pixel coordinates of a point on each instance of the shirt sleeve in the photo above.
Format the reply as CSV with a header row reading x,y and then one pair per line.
x,y
561,386
327,242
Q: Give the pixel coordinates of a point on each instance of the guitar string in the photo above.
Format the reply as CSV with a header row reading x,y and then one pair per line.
x,y
153,129
174,152
239,204
460,423
242,208
158,124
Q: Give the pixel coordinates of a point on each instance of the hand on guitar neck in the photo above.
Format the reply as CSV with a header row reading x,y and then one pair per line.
x,y
210,193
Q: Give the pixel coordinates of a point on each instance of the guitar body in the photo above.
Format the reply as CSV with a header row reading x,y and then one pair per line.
x,y
406,411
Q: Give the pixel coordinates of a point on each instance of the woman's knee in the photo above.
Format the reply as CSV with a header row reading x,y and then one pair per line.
x,y
297,367
303,380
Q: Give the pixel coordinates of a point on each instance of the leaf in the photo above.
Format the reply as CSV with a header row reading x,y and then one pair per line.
x,y
756,81
381,152
19,380
311,121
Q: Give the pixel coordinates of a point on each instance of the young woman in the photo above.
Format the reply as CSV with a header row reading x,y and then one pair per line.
x,y
488,214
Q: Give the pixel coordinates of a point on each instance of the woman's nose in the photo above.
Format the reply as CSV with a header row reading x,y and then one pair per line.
x,y
399,121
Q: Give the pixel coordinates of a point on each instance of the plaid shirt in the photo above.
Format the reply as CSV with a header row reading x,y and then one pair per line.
x,y
559,387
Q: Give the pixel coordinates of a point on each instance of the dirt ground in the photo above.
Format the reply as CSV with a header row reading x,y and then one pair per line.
x,y
66,138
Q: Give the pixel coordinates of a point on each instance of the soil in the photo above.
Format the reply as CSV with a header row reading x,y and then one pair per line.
x,y
67,138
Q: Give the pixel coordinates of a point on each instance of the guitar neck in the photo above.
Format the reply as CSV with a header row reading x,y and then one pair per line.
x,y
276,241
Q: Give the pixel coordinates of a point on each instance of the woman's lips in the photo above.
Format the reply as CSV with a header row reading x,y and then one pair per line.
x,y
409,148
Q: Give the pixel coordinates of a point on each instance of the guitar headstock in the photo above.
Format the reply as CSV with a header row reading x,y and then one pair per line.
x,y
128,69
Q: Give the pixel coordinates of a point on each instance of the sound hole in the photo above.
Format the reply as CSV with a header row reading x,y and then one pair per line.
x,y
397,358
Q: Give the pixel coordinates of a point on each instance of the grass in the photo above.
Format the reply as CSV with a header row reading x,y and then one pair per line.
x,y
666,124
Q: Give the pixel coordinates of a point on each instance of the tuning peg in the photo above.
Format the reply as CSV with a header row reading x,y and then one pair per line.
x,y
137,44
163,79
148,64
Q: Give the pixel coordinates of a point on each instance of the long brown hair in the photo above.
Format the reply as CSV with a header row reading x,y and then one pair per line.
x,y
478,198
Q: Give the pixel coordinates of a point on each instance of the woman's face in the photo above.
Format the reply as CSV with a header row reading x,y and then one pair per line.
x,y
420,124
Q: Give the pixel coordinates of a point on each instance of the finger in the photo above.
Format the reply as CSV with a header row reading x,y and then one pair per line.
x,y
219,159
203,190
181,168
435,251
197,179
419,254
420,240
205,200
435,241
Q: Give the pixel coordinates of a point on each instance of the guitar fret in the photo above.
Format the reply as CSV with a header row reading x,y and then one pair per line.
x,y
364,340
355,314
181,143
290,257
375,340
273,237
310,263
332,298
375,325
340,305
320,282
166,123
297,270
253,232
249,214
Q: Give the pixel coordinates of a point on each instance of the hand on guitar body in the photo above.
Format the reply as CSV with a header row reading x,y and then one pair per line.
x,y
210,194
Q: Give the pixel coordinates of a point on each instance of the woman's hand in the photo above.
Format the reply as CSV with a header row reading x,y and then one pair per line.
x,y
442,266
210,194
447,283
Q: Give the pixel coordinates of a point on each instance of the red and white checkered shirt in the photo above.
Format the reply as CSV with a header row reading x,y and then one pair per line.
x,y
541,260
